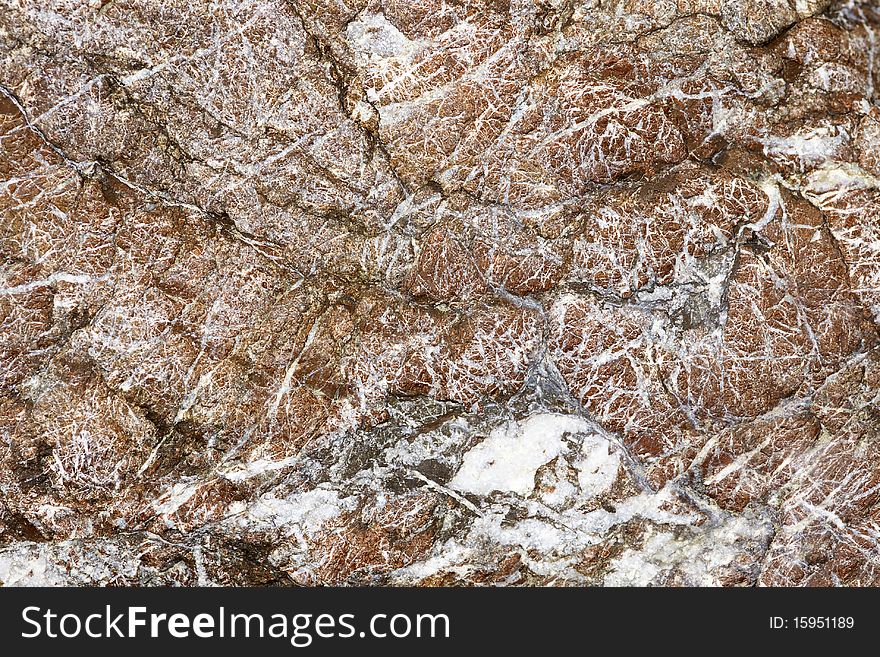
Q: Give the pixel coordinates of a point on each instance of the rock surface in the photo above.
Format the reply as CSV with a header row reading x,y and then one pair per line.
x,y
526,292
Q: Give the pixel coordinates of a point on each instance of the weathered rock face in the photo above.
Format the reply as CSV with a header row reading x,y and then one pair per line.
x,y
440,293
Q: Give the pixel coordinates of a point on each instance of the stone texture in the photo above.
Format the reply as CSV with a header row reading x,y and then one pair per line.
x,y
527,292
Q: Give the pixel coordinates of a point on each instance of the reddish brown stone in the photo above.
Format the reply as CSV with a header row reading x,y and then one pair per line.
x,y
439,293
